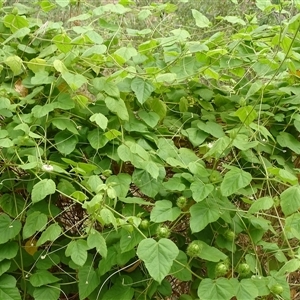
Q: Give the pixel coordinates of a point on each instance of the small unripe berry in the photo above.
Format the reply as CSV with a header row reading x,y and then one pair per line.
x,y
221,269
144,224
244,269
277,289
194,249
229,235
163,231
181,202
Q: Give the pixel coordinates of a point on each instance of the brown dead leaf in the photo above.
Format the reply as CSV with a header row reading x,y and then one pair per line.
x,y
20,88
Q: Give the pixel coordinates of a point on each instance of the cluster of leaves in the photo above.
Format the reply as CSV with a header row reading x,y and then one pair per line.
x,y
133,159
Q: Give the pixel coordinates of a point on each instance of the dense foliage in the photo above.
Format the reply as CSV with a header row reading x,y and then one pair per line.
x,y
145,161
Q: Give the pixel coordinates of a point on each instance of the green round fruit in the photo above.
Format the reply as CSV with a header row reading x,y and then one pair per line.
x,y
163,231
244,269
128,227
144,224
277,289
221,269
181,202
229,235
194,249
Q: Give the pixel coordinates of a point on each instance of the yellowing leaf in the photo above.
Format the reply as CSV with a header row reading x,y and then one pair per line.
x,y
30,246
201,20
15,64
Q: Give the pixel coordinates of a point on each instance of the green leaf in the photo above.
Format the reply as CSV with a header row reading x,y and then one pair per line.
x,y
164,211
42,189
50,234
158,256
41,111
15,64
100,120
4,267
123,54
158,106
166,78
263,130
42,277
148,185
220,289
37,65
263,4
41,78
65,102
292,226
75,81
47,292
20,33
63,3
79,196
15,22
118,107
88,281
97,139
201,20
109,87
4,103
150,118
211,253
134,153
196,136
290,200
211,128
77,249
63,43
8,289
59,66
129,240
245,289
287,140
152,168
255,87
180,268
235,20
12,204
121,183
94,183
8,228
34,222
201,190
202,214
121,287
220,148
142,89
246,114
135,200
241,141
174,184
288,177
108,217
263,203
289,267
9,251
65,142
96,240
63,124
234,180
106,264
96,49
